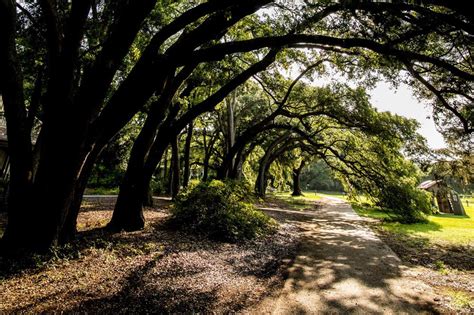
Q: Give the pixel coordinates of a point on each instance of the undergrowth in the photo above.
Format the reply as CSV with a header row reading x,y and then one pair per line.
x,y
221,211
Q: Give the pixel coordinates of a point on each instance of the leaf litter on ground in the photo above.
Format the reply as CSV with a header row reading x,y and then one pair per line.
x,y
154,270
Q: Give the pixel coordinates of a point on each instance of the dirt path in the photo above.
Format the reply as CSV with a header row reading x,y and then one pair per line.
x,y
343,267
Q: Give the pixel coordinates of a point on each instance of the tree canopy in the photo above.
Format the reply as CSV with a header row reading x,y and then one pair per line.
x,y
74,74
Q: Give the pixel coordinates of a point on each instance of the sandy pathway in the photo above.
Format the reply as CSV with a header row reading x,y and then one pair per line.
x,y
343,267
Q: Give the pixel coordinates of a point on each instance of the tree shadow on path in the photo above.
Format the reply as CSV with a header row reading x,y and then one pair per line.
x,y
343,267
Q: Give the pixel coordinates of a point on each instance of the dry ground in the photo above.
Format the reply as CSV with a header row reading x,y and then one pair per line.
x,y
322,260
155,270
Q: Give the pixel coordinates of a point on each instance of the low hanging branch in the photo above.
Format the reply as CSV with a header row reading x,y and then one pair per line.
x,y
439,95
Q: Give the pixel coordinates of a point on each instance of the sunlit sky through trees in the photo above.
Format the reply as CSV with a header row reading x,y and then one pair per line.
x,y
402,102
385,97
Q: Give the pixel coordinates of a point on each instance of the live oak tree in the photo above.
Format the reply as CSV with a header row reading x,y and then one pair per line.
x,y
154,139
79,115
318,176
99,63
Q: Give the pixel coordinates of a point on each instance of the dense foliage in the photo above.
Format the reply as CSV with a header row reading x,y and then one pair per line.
x,y
405,201
318,176
210,83
217,209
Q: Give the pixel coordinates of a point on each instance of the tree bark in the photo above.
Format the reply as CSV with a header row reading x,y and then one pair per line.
x,y
246,137
187,153
148,198
296,180
230,105
175,178
272,152
69,229
128,212
20,212
70,225
207,155
165,165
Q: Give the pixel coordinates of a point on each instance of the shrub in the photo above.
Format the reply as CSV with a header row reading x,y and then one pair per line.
x,y
406,202
216,209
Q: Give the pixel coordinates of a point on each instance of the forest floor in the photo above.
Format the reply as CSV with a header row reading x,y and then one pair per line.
x,y
323,259
156,270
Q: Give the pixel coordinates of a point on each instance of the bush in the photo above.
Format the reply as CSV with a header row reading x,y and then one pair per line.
x,y
406,202
216,209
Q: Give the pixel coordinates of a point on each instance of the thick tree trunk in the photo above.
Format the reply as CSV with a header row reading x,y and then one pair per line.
x,y
296,180
62,134
148,198
230,105
35,100
205,169
70,225
128,212
187,153
169,179
175,178
260,184
272,152
20,212
54,195
69,229
237,170
207,157
240,159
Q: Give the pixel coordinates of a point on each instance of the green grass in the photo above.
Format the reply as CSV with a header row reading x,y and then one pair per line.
x,y
334,194
299,202
440,229
102,191
460,299
365,211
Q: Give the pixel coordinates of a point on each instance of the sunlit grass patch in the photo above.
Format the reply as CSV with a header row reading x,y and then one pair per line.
x,y
303,202
370,212
306,195
102,191
460,299
440,228
334,194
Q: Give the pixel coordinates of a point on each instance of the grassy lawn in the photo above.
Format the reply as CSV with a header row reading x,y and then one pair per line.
x,y
334,194
297,203
440,229
102,191
306,195
444,245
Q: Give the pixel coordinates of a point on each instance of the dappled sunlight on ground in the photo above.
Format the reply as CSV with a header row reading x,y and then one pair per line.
x,y
156,270
344,267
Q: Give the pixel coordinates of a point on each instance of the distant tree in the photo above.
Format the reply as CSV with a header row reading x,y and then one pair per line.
x,y
318,176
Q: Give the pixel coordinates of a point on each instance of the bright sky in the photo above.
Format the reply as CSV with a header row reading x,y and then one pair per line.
x,y
402,102
399,101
